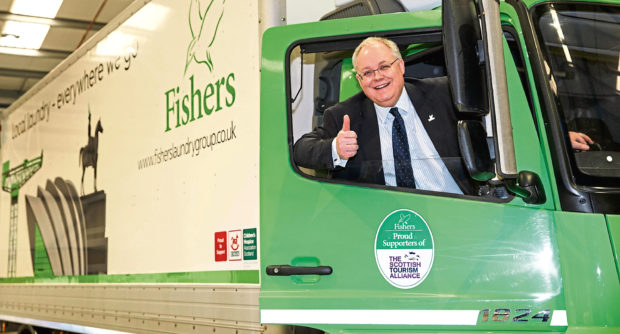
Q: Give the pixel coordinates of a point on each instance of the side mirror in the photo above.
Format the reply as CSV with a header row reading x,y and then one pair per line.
x,y
475,150
474,57
464,57
530,188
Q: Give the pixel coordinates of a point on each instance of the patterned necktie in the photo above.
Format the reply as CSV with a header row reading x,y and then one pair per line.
x,y
402,158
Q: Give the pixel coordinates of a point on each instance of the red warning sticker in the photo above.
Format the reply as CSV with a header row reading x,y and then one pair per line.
x,y
220,246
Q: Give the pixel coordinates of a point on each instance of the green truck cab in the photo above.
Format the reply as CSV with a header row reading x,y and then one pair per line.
x,y
533,248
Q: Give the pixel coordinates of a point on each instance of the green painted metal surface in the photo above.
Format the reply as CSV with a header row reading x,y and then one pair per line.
x,y
613,225
487,255
528,150
509,17
589,272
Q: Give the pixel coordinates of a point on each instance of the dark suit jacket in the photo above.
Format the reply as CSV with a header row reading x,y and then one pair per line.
x,y
429,97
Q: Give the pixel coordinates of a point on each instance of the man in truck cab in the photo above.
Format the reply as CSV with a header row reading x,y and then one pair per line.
x,y
398,132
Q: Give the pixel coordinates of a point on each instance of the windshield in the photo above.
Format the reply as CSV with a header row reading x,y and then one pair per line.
x,y
581,45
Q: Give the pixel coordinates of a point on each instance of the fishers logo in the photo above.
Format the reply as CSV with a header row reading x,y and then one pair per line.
x,y
197,98
204,21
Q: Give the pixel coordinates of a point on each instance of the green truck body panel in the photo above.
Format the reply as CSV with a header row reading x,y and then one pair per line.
x,y
613,223
510,17
589,273
492,257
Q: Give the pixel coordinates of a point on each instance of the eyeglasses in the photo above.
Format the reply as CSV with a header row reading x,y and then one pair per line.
x,y
383,69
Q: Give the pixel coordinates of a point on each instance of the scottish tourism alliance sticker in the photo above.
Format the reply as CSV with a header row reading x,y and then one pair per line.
x,y
404,249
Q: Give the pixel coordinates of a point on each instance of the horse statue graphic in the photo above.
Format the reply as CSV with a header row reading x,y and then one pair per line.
x,y
90,153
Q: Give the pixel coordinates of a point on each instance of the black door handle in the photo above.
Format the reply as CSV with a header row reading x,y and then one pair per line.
x,y
286,270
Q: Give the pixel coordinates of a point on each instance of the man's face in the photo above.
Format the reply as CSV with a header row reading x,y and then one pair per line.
x,y
383,89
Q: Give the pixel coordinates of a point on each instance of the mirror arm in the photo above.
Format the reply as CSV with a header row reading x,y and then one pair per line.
x,y
529,188
512,186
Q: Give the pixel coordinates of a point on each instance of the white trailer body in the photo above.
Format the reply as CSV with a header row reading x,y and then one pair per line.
x,y
133,166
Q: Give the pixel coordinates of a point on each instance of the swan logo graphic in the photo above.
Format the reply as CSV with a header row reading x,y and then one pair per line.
x,y
205,17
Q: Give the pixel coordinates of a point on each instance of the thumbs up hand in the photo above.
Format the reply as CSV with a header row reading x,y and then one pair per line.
x,y
346,140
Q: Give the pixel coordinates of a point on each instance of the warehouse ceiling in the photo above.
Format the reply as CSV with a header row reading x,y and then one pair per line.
x,y
73,24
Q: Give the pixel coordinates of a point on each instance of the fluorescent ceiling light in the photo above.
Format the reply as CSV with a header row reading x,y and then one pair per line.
x,y
28,35
18,52
42,8
23,35
558,29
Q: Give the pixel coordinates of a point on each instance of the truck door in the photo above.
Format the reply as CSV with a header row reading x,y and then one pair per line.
x,y
579,96
356,255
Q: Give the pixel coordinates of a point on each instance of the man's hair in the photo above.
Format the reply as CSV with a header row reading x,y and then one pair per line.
x,y
374,40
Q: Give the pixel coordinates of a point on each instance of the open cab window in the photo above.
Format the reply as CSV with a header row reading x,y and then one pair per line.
x,y
321,74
